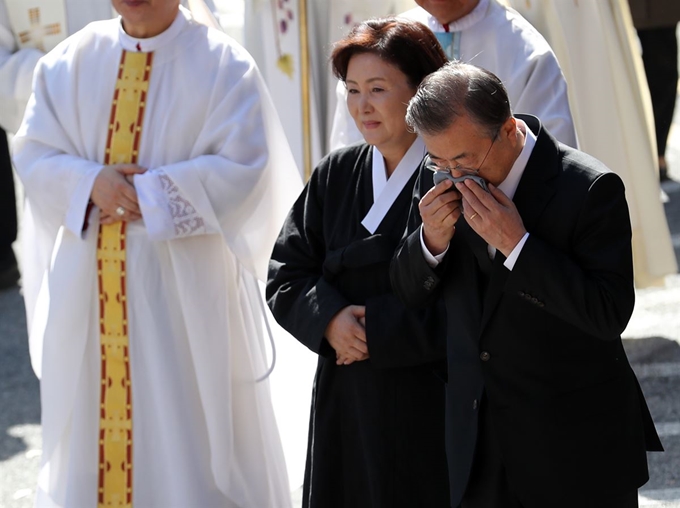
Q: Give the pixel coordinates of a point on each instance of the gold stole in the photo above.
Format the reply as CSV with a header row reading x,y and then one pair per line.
x,y
115,423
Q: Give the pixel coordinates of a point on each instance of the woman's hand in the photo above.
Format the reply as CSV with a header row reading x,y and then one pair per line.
x,y
346,333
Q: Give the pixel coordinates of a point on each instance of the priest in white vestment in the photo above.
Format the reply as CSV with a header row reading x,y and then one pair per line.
x,y
489,35
613,113
157,176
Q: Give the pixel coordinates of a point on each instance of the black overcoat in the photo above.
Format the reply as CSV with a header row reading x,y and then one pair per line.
x,y
543,341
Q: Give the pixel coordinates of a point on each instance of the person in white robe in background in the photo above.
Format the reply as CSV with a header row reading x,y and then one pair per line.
x,y
612,112
198,208
489,35
18,58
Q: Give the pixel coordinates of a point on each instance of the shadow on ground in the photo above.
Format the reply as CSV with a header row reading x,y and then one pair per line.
x,y
672,209
651,350
19,388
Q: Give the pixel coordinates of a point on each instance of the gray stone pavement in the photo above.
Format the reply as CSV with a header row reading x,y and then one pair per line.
x,y
652,340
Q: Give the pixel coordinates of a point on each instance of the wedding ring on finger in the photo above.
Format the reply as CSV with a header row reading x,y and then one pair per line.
x,y
121,211
473,215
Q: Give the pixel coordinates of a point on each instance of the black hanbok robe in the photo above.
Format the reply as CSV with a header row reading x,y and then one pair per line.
x,y
376,436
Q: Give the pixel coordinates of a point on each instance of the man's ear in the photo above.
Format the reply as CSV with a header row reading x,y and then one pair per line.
x,y
508,129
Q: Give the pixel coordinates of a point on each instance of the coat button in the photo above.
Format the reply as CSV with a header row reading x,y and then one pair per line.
x,y
527,296
521,294
475,404
428,283
485,357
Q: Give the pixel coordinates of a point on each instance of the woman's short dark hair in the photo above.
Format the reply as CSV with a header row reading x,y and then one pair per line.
x,y
408,45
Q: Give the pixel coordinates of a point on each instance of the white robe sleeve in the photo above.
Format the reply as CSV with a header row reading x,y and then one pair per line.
x,y
16,73
57,183
241,182
542,91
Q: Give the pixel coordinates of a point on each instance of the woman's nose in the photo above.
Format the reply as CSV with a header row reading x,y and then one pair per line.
x,y
365,103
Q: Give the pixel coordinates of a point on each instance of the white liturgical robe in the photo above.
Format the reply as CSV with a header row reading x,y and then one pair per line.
x,y
220,180
501,41
613,113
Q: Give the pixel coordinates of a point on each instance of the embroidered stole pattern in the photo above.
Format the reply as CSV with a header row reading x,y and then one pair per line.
x,y
115,423
39,24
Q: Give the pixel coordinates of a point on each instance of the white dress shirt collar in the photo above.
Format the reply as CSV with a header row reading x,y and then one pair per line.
x,y
150,44
509,185
467,21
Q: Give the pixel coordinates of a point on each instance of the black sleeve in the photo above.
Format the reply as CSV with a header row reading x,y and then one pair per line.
x,y
590,287
300,299
413,280
401,337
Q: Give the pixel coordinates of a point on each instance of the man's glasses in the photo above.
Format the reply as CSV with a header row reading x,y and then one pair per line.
x,y
433,166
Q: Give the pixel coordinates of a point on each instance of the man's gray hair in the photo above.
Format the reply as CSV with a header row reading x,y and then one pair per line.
x,y
454,90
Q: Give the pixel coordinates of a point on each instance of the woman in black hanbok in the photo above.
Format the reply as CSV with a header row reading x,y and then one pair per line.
x,y
376,437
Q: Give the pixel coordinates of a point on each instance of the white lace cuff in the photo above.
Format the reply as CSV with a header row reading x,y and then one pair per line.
x,y
167,213
185,218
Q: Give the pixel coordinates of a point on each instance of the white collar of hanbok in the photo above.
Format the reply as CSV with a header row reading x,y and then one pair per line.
x,y
386,191
150,44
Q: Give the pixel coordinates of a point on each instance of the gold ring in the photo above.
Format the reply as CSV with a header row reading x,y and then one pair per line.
x,y
473,215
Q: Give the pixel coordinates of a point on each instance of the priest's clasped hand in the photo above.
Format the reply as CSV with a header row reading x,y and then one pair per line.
x,y
440,209
113,192
346,333
492,215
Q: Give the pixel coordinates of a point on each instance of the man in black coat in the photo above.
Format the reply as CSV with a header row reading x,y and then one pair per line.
x,y
543,408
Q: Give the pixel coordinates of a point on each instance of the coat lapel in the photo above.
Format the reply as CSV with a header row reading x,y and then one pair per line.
x,y
536,188
539,181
